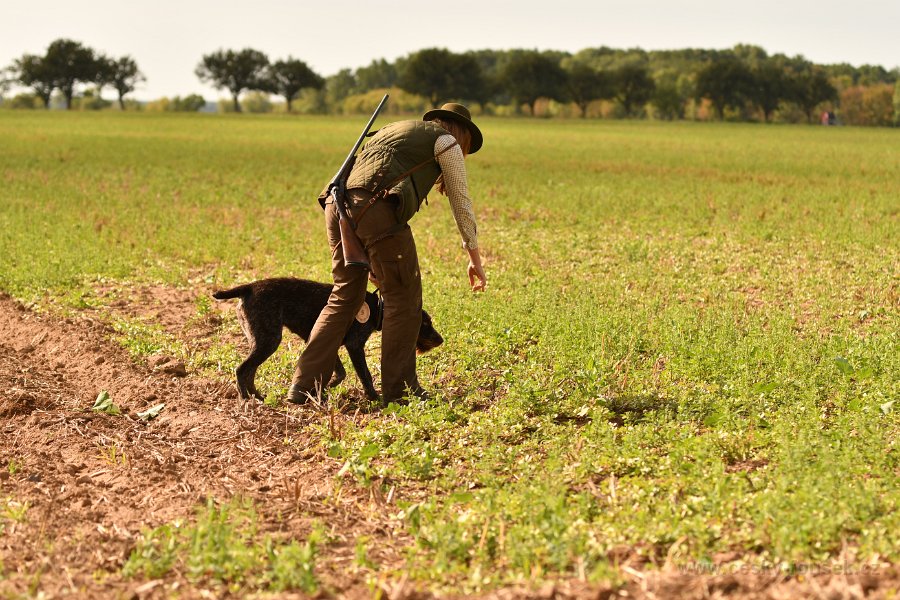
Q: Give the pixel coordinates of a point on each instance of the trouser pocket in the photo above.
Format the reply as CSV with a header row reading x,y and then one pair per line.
x,y
394,261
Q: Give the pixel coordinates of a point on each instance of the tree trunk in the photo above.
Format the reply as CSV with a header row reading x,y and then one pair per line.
x,y
237,105
68,92
288,98
122,102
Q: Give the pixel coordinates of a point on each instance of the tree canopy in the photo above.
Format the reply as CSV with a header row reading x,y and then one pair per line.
x,y
34,72
530,75
727,82
633,87
71,63
439,75
125,77
584,84
769,85
234,71
287,77
809,88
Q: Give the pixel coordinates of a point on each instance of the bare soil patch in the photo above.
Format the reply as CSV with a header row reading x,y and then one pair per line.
x,y
176,310
92,481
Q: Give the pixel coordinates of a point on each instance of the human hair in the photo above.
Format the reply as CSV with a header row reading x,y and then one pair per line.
x,y
457,130
463,138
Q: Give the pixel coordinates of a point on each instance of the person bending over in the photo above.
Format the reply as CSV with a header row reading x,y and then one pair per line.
x,y
397,167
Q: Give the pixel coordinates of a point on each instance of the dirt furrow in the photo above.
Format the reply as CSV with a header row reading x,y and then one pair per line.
x,y
90,482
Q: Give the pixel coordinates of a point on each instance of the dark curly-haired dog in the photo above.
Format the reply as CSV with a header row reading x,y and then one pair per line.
x,y
268,305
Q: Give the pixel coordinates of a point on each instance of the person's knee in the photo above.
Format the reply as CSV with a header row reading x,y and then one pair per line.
x,y
405,312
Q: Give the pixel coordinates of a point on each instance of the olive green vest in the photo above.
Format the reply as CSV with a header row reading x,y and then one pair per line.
x,y
393,151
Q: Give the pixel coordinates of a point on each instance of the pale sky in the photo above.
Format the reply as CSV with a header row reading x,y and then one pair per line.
x,y
167,38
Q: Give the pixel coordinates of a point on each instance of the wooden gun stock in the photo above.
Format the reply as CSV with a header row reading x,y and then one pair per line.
x,y
351,246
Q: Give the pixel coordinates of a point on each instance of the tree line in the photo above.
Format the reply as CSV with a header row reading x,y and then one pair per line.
x,y
68,63
741,83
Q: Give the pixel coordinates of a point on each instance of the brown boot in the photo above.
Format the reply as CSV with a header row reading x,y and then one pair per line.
x,y
298,395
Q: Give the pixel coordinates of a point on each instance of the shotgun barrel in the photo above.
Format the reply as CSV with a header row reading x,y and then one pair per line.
x,y
353,250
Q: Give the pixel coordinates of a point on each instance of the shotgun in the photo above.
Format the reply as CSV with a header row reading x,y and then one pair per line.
x,y
353,250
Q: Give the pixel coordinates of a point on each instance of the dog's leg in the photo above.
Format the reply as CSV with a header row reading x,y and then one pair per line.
x,y
339,373
246,374
264,346
358,358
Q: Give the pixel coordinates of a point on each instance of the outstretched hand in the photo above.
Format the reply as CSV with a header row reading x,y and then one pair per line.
x,y
477,272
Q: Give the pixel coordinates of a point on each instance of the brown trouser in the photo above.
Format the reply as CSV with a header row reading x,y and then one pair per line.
x,y
396,266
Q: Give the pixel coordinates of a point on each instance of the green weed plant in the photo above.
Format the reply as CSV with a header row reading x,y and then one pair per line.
x,y
224,547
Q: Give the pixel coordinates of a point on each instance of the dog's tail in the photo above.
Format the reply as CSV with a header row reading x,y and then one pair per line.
x,y
241,291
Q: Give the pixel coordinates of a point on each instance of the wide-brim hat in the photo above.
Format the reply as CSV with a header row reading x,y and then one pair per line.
x,y
459,113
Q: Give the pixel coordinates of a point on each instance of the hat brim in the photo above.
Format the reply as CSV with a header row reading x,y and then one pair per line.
x,y
477,138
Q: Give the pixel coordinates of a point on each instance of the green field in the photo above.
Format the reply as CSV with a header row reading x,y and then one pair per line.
x,y
688,346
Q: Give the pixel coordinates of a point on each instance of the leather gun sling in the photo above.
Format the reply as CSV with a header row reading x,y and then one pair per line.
x,y
383,192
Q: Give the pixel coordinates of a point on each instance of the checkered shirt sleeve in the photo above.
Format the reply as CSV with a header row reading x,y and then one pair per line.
x,y
453,168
